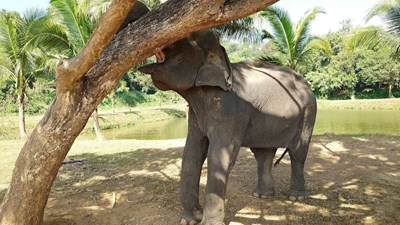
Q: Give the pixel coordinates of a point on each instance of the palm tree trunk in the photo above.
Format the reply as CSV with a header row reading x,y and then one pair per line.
x,y
113,100
96,125
21,114
390,91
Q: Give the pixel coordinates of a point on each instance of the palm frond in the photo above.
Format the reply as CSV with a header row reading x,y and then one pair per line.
x,y
9,37
95,8
273,59
392,18
67,13
381,8
241,30
303,28
320,44
282,28
373,37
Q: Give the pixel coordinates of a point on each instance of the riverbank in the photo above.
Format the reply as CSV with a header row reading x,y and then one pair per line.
x,y
108,119
130,116
350,180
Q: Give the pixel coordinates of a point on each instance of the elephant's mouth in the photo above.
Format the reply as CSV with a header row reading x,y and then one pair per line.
x,y
160,56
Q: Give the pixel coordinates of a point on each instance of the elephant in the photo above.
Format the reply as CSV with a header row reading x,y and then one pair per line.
x,y
138,10
252,104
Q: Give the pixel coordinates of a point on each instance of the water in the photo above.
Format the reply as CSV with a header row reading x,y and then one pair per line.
x,y
358,122
159,130
328,121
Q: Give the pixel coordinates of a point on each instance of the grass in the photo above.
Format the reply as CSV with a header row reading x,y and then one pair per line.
x,y
365,104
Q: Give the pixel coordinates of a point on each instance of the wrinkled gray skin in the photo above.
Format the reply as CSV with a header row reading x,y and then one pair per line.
x,y
252,103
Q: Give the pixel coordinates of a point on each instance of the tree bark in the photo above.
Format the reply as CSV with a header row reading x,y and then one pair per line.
x,y
96,125
81,88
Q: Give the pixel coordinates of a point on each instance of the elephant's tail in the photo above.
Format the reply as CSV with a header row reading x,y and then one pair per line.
x,y
280,158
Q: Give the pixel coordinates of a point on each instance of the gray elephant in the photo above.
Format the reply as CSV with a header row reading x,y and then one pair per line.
x,y
252,103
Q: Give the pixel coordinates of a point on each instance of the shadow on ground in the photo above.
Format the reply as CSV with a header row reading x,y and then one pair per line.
x,y
350,180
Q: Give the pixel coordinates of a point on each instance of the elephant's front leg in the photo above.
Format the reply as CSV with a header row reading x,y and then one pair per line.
x,y
194,154
220,159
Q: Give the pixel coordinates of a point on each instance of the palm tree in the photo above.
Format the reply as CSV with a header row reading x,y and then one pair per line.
x,y
293,42
18,51
389,11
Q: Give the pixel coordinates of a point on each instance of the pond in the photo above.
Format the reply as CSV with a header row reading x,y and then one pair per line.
x,y
328,121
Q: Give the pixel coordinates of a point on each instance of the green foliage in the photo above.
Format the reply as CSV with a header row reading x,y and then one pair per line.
x,y
242,51
242,30
376,93
351,72
292,41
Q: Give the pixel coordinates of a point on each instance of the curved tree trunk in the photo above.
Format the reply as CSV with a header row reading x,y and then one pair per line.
x,y
96,125
83,81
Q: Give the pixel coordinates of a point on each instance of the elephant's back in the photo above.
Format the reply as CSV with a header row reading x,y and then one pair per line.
x,y
271,88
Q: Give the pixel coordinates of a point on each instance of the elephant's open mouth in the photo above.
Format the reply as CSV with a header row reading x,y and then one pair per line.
x,y
160,56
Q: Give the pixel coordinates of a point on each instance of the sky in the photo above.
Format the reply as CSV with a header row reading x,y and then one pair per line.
x,y
336,11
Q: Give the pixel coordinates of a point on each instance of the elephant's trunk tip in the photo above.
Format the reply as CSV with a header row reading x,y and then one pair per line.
x,y
148,69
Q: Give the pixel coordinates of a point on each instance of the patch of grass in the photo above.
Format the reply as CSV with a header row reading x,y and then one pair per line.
x,y
365,104
175,113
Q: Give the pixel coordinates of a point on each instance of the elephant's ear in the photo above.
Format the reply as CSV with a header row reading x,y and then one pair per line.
x,y
216,70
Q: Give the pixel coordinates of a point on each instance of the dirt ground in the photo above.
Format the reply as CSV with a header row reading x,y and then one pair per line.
x,y
350,180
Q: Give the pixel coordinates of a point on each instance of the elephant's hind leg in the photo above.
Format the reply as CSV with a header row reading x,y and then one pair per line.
x,y
265,183
298,153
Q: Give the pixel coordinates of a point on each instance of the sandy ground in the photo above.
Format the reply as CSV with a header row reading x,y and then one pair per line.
x,y
350,180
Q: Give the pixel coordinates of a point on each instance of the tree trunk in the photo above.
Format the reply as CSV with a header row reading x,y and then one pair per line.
x,y
83,81
390,87
96,125
21,115
113,100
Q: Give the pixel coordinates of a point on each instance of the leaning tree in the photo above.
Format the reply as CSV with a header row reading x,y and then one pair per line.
x,y
84,80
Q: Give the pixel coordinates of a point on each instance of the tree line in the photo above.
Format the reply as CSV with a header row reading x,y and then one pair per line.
x,y
349,63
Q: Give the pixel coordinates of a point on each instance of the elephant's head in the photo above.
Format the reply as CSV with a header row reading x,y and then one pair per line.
x,y
197,60
137,11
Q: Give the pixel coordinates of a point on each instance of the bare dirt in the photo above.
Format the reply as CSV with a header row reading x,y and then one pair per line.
x,y
350,180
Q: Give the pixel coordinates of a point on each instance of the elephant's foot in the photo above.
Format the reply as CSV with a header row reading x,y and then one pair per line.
x,y
214,223
191,218
262,195
297,195
262,191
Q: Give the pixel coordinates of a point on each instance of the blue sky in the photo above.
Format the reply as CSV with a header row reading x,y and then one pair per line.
x,y
336,11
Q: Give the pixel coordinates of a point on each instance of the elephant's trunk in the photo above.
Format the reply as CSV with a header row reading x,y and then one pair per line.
x,y
147,69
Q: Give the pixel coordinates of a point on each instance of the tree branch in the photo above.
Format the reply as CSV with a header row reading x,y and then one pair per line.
x,y
70,70
166,24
